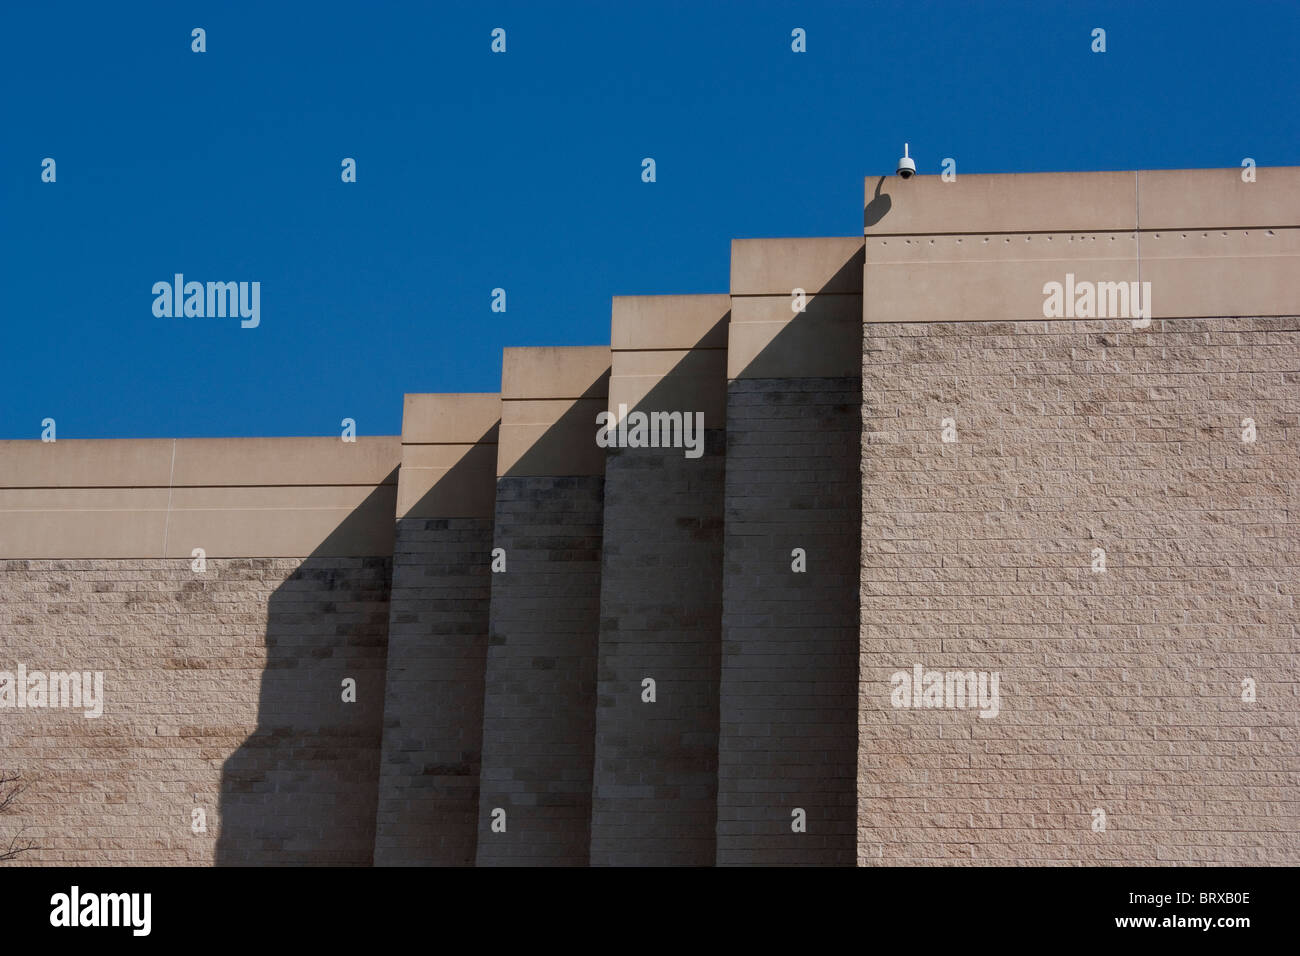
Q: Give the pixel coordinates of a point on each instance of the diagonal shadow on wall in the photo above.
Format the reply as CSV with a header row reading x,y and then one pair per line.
x,y
437,653
539,714
655,779
788,731
300,790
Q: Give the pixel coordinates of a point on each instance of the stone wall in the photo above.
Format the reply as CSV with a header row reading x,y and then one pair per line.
x,y
438,632
1096,507
223,678
222,692
539,712
1082,445
654,794
787,741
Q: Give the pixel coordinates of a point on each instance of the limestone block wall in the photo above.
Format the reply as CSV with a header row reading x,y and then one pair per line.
x,y
539,711
221,686
437,632
654,795
787,735
1110,526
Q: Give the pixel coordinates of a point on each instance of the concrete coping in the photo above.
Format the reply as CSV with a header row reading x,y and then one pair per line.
x,y
229,497
564,372
466,418
198,462
550,397
819,266
449,455
669,322
1082,201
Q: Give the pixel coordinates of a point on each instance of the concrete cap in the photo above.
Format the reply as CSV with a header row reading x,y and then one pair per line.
x,y
1217,198
982,248
82,463
449,455
197,462
370,460
550,399
1082,201
233,497
669,321
440,418
1014,202
563,372
829,266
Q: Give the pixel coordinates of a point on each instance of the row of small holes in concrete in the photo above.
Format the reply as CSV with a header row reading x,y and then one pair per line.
x,y
885,242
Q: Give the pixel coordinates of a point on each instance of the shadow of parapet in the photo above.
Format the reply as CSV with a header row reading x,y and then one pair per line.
x,y
789,683
301,789
540,692
571,437
437,650
655,776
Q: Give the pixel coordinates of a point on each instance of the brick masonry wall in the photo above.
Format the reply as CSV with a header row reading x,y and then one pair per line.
x,y
789,662
1120,691
433,704
223,692
655,784
539,712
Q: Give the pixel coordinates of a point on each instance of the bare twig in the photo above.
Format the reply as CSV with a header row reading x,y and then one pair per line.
x,y
16,848
11,786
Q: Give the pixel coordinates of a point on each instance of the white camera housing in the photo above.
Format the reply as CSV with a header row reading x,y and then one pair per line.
x,y
906,167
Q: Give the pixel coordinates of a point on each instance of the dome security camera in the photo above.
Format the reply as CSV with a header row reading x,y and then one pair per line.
x,y
906,166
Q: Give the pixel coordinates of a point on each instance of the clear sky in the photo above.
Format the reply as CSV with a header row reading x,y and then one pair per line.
x,y
519,170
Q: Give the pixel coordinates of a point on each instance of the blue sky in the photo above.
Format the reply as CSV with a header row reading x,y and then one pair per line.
x,y
519,170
